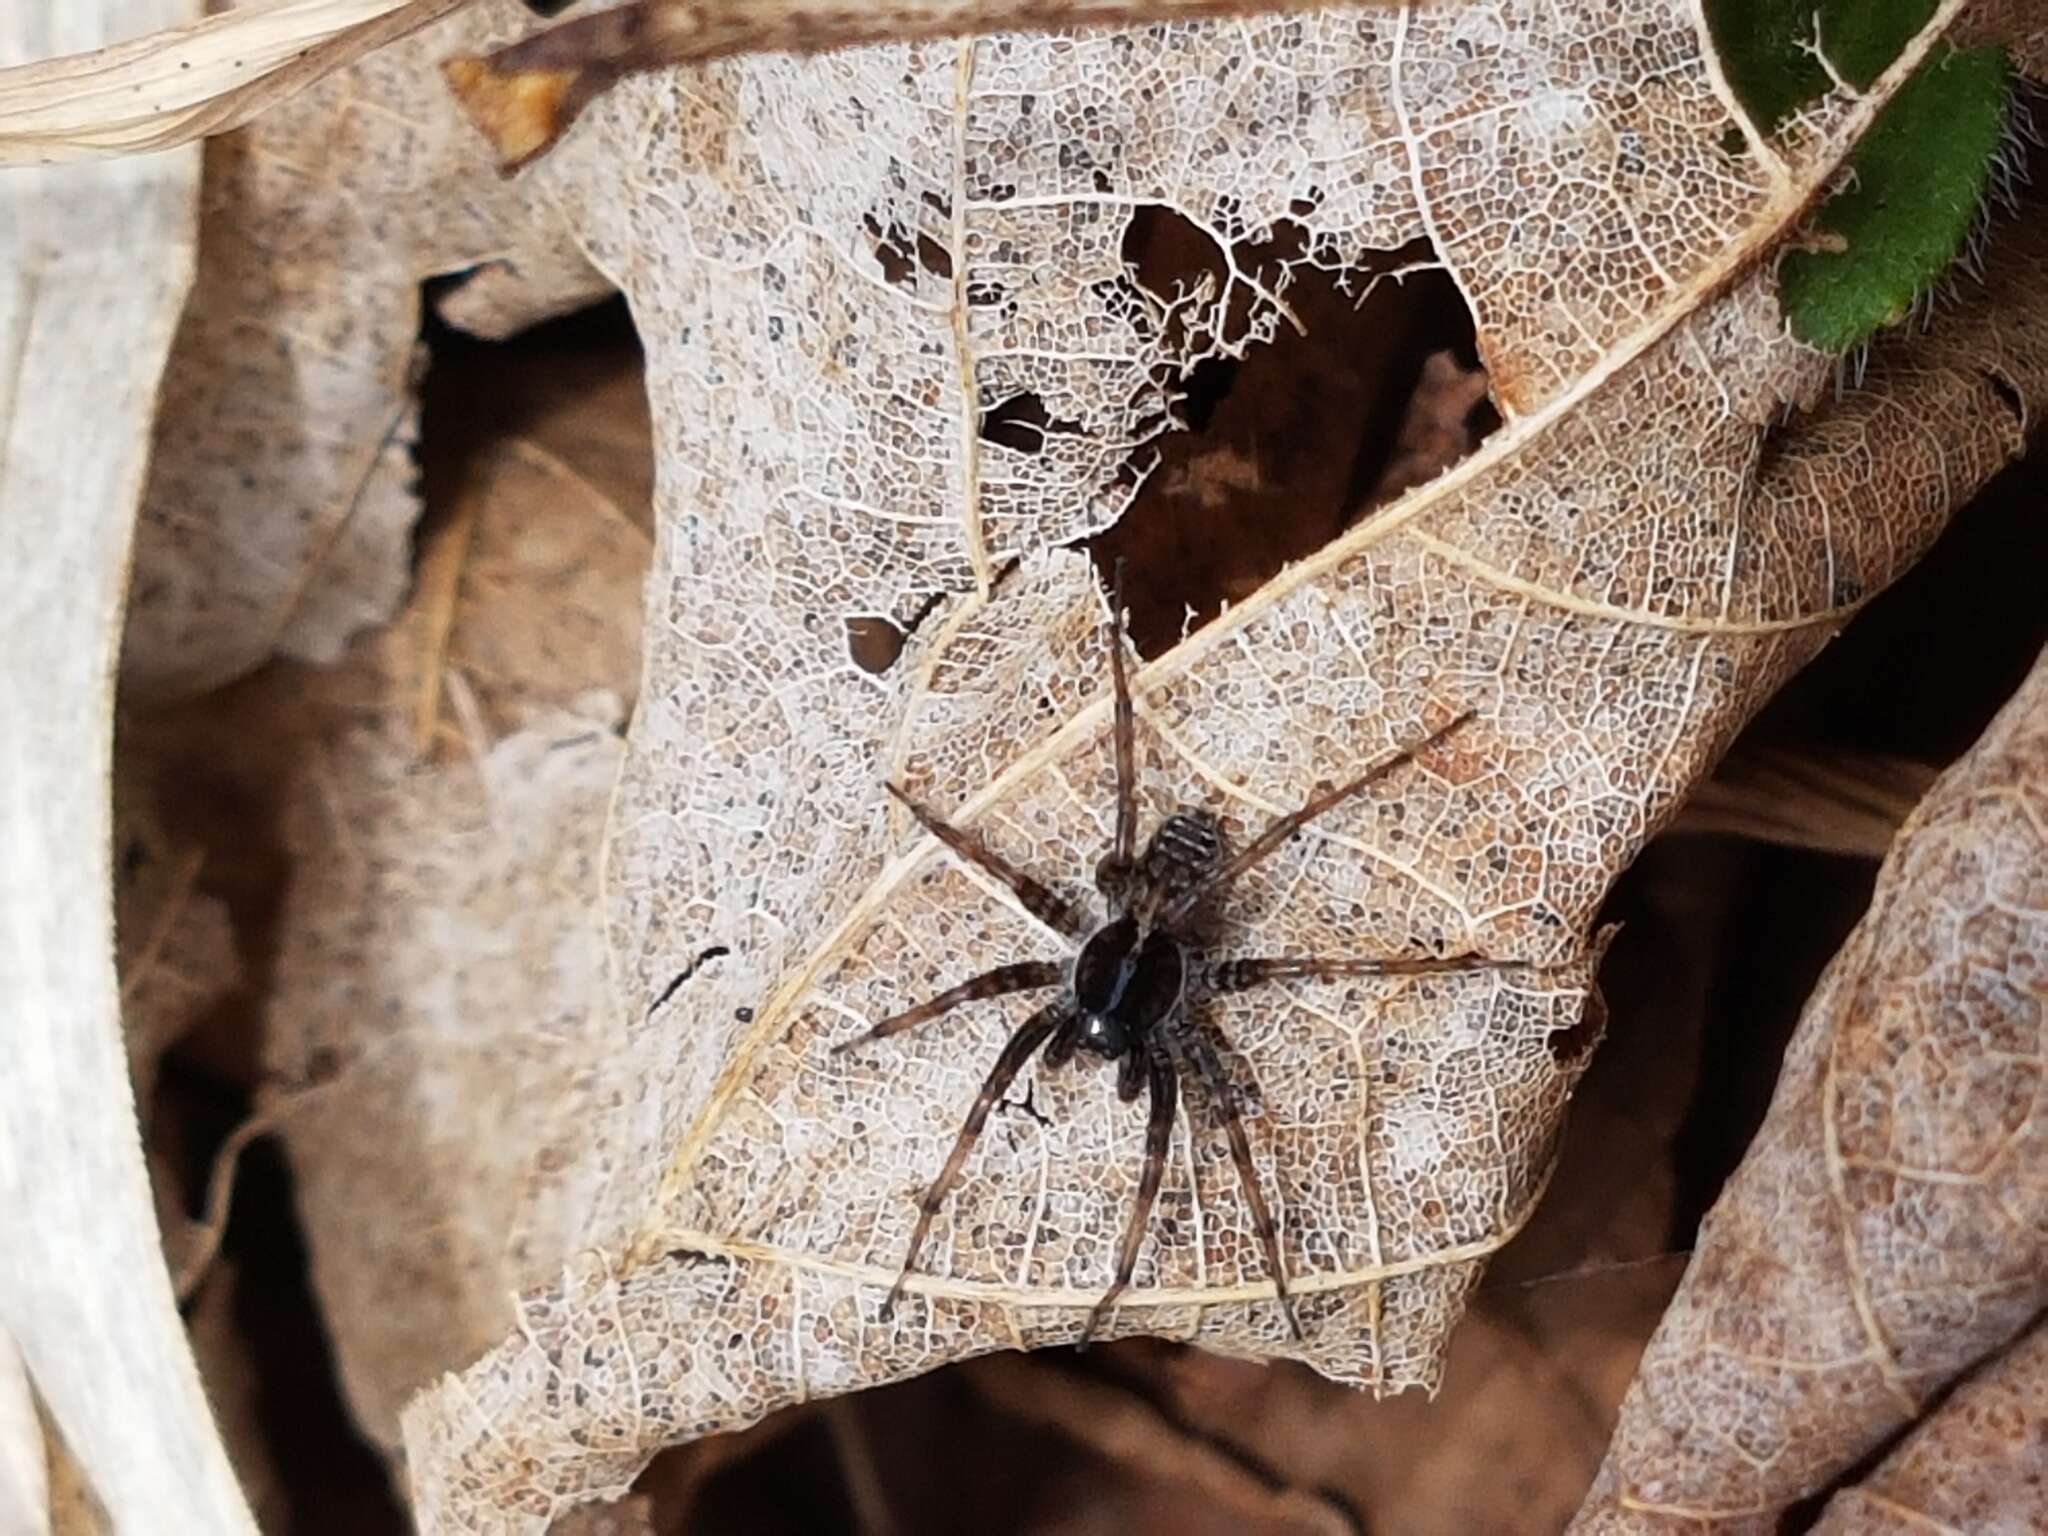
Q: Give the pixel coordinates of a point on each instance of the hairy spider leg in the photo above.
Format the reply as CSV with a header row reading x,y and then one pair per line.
x,y
1028,1038
1194,1046
1237,975
1112,877
1036,899
1000,982
1286,826
1158,1132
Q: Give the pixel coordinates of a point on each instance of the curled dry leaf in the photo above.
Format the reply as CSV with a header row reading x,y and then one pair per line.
x,y
1886,1228
1978,1463
280,504
1674,516
202,75
93,267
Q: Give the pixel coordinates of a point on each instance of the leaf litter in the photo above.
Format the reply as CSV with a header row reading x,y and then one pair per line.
x,y
1614,615
951,633
1884,1231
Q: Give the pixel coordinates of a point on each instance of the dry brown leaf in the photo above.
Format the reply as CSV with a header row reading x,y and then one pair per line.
x,y
1838,802
1614,582
501,298
92,269
174,945
1978,1463
174,950
440,962
280,505
1124,1430
630,1516
234,1390
441,978
1886,1228
74,1509
1434,434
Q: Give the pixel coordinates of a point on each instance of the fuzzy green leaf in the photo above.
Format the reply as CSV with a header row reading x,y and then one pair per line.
x,y
1766,47
1919,179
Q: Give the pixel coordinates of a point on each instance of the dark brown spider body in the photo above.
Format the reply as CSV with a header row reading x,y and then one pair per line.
x,y
1124,998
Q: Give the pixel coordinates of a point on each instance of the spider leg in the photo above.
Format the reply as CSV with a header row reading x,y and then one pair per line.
x,y
1195,1047
1236,975
1035,898
1158,1132
1112,875
1130,1074
1000,982
1286,826
1065,1041
1028,1038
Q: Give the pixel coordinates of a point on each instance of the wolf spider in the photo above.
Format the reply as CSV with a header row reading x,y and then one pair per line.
x,y
1122,993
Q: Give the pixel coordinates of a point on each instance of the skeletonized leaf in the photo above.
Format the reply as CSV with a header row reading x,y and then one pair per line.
x,y
839,267
1886,1228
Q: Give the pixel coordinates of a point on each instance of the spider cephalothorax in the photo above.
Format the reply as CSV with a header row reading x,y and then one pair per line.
x,y
1123,992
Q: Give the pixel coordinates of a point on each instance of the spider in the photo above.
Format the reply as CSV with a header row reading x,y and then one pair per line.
x,y
1123,992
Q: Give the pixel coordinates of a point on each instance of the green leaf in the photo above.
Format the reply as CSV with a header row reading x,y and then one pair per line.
x,y
1919,179
1766,47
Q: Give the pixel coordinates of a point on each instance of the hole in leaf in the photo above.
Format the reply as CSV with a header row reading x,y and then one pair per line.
x,y
874,643
1568,1045
1317,392
934,258
1022,423
893,251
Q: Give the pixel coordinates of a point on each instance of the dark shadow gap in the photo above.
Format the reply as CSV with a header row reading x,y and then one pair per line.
x,y
1263,458
333,1481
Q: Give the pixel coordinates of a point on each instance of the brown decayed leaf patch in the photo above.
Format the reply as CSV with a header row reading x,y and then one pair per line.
x,y
1885,1229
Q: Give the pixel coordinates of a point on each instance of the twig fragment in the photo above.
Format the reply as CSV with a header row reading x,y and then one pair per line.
x,y
1839,802
524,96
171,87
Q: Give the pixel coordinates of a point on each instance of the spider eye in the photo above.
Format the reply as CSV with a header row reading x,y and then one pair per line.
x,y
1104,1034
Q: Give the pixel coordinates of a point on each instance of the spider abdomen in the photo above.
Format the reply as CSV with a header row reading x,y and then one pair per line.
x,y
1183,852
